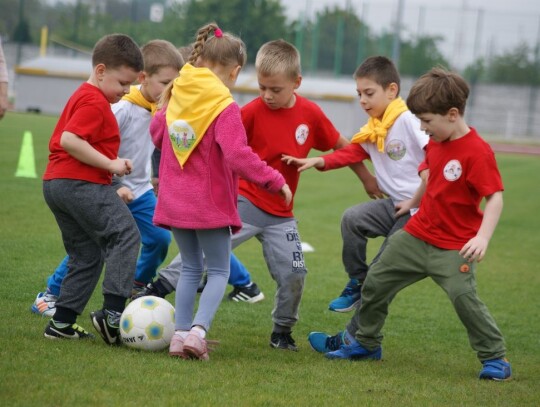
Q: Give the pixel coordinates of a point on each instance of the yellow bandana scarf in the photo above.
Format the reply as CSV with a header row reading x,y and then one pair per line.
x,y
375,130
198,97
136,97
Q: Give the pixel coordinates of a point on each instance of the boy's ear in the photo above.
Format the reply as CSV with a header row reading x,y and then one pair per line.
x,y
393,90
298,82
453,114
141,77
99,71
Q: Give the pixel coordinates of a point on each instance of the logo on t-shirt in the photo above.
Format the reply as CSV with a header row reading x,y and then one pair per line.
x,y
301,134
452,170
396,149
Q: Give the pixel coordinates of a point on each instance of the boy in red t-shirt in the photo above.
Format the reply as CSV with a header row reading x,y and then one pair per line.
x,y
97,227
448,235
278,123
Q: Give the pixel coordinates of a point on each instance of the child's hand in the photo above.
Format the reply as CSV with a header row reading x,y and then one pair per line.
x,y
286,193
126,194
372,188
303,163
155,184
475,249
403,207
120,166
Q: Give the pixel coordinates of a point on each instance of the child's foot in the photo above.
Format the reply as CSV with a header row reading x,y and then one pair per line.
x,y
195,347
45,304
176,348
107,323
249,293
349,298
283,340
156,289
323,343
355,351
496,369
64,330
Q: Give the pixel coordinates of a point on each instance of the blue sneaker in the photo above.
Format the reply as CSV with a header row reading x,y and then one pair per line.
x,y
323,343
355,351
349,298
496,369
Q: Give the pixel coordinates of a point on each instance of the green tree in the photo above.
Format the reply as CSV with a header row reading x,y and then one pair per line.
x,y
420,55
517,66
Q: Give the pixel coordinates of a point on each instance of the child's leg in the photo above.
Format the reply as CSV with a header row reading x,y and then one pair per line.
x,y
155,240
216,244
458,280
358,224
239,275
190,275
284,257
55,280
401,264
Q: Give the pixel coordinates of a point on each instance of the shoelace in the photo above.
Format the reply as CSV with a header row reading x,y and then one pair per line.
x,y
334,342
349,290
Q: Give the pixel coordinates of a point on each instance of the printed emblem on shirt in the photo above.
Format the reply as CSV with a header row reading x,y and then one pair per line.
x,y
452,170
396,149
301,134
182,135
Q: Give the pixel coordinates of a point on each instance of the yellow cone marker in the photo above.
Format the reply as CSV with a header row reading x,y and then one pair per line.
x,y
27,165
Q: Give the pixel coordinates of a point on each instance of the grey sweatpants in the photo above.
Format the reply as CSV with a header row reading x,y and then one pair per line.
x,y
97,228
360,222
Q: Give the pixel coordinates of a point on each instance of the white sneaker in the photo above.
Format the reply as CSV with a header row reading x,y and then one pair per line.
x,y
44,305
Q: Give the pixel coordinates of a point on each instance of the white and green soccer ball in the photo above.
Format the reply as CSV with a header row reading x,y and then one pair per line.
x,y
147,323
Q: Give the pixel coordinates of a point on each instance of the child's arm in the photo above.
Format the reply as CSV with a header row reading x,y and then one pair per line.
x,y
359,168
475,249
84,152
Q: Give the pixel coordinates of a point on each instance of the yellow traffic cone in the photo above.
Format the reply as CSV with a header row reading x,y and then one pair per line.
x,y
27,165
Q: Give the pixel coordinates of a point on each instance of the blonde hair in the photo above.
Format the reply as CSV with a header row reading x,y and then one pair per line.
x,y
278,57
224,49
159,54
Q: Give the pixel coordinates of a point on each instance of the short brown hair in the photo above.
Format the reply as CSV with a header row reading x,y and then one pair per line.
x,y
116,50
278,57
379,69
437,92
159,54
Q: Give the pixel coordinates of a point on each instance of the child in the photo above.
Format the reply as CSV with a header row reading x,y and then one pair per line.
x,y
392,139
203,151
448,230
97,227
162,61
280,122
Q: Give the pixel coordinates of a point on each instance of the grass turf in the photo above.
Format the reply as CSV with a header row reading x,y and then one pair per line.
x,y
427,358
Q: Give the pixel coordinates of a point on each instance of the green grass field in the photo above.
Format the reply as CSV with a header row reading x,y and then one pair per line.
x,y
427,358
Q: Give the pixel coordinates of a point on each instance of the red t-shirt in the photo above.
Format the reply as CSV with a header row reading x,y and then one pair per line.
x,y
461,173
87,114
272,133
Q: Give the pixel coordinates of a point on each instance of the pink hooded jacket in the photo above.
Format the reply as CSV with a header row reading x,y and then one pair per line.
x,y
203,194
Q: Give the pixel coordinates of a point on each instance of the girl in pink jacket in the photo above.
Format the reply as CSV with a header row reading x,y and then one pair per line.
x,y
203,152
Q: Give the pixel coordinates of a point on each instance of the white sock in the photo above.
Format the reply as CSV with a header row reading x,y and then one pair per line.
x,y
199,331
182,334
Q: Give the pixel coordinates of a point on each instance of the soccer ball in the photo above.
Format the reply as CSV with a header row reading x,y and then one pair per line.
x,y
147,323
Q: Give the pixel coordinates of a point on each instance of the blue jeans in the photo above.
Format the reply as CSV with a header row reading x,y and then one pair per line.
x,y
155,244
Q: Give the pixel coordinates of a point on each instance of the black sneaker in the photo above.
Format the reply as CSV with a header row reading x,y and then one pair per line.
x,y
249,293
63,330
282,340
107,323
149,289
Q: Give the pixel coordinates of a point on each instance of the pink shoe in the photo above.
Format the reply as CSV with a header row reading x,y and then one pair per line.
x,y
176,348
195,347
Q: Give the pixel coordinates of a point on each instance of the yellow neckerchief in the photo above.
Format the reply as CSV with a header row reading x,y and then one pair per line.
x,y
197,98
136,97
375,130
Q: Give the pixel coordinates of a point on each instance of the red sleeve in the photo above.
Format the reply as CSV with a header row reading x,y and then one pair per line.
x,y
350,154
